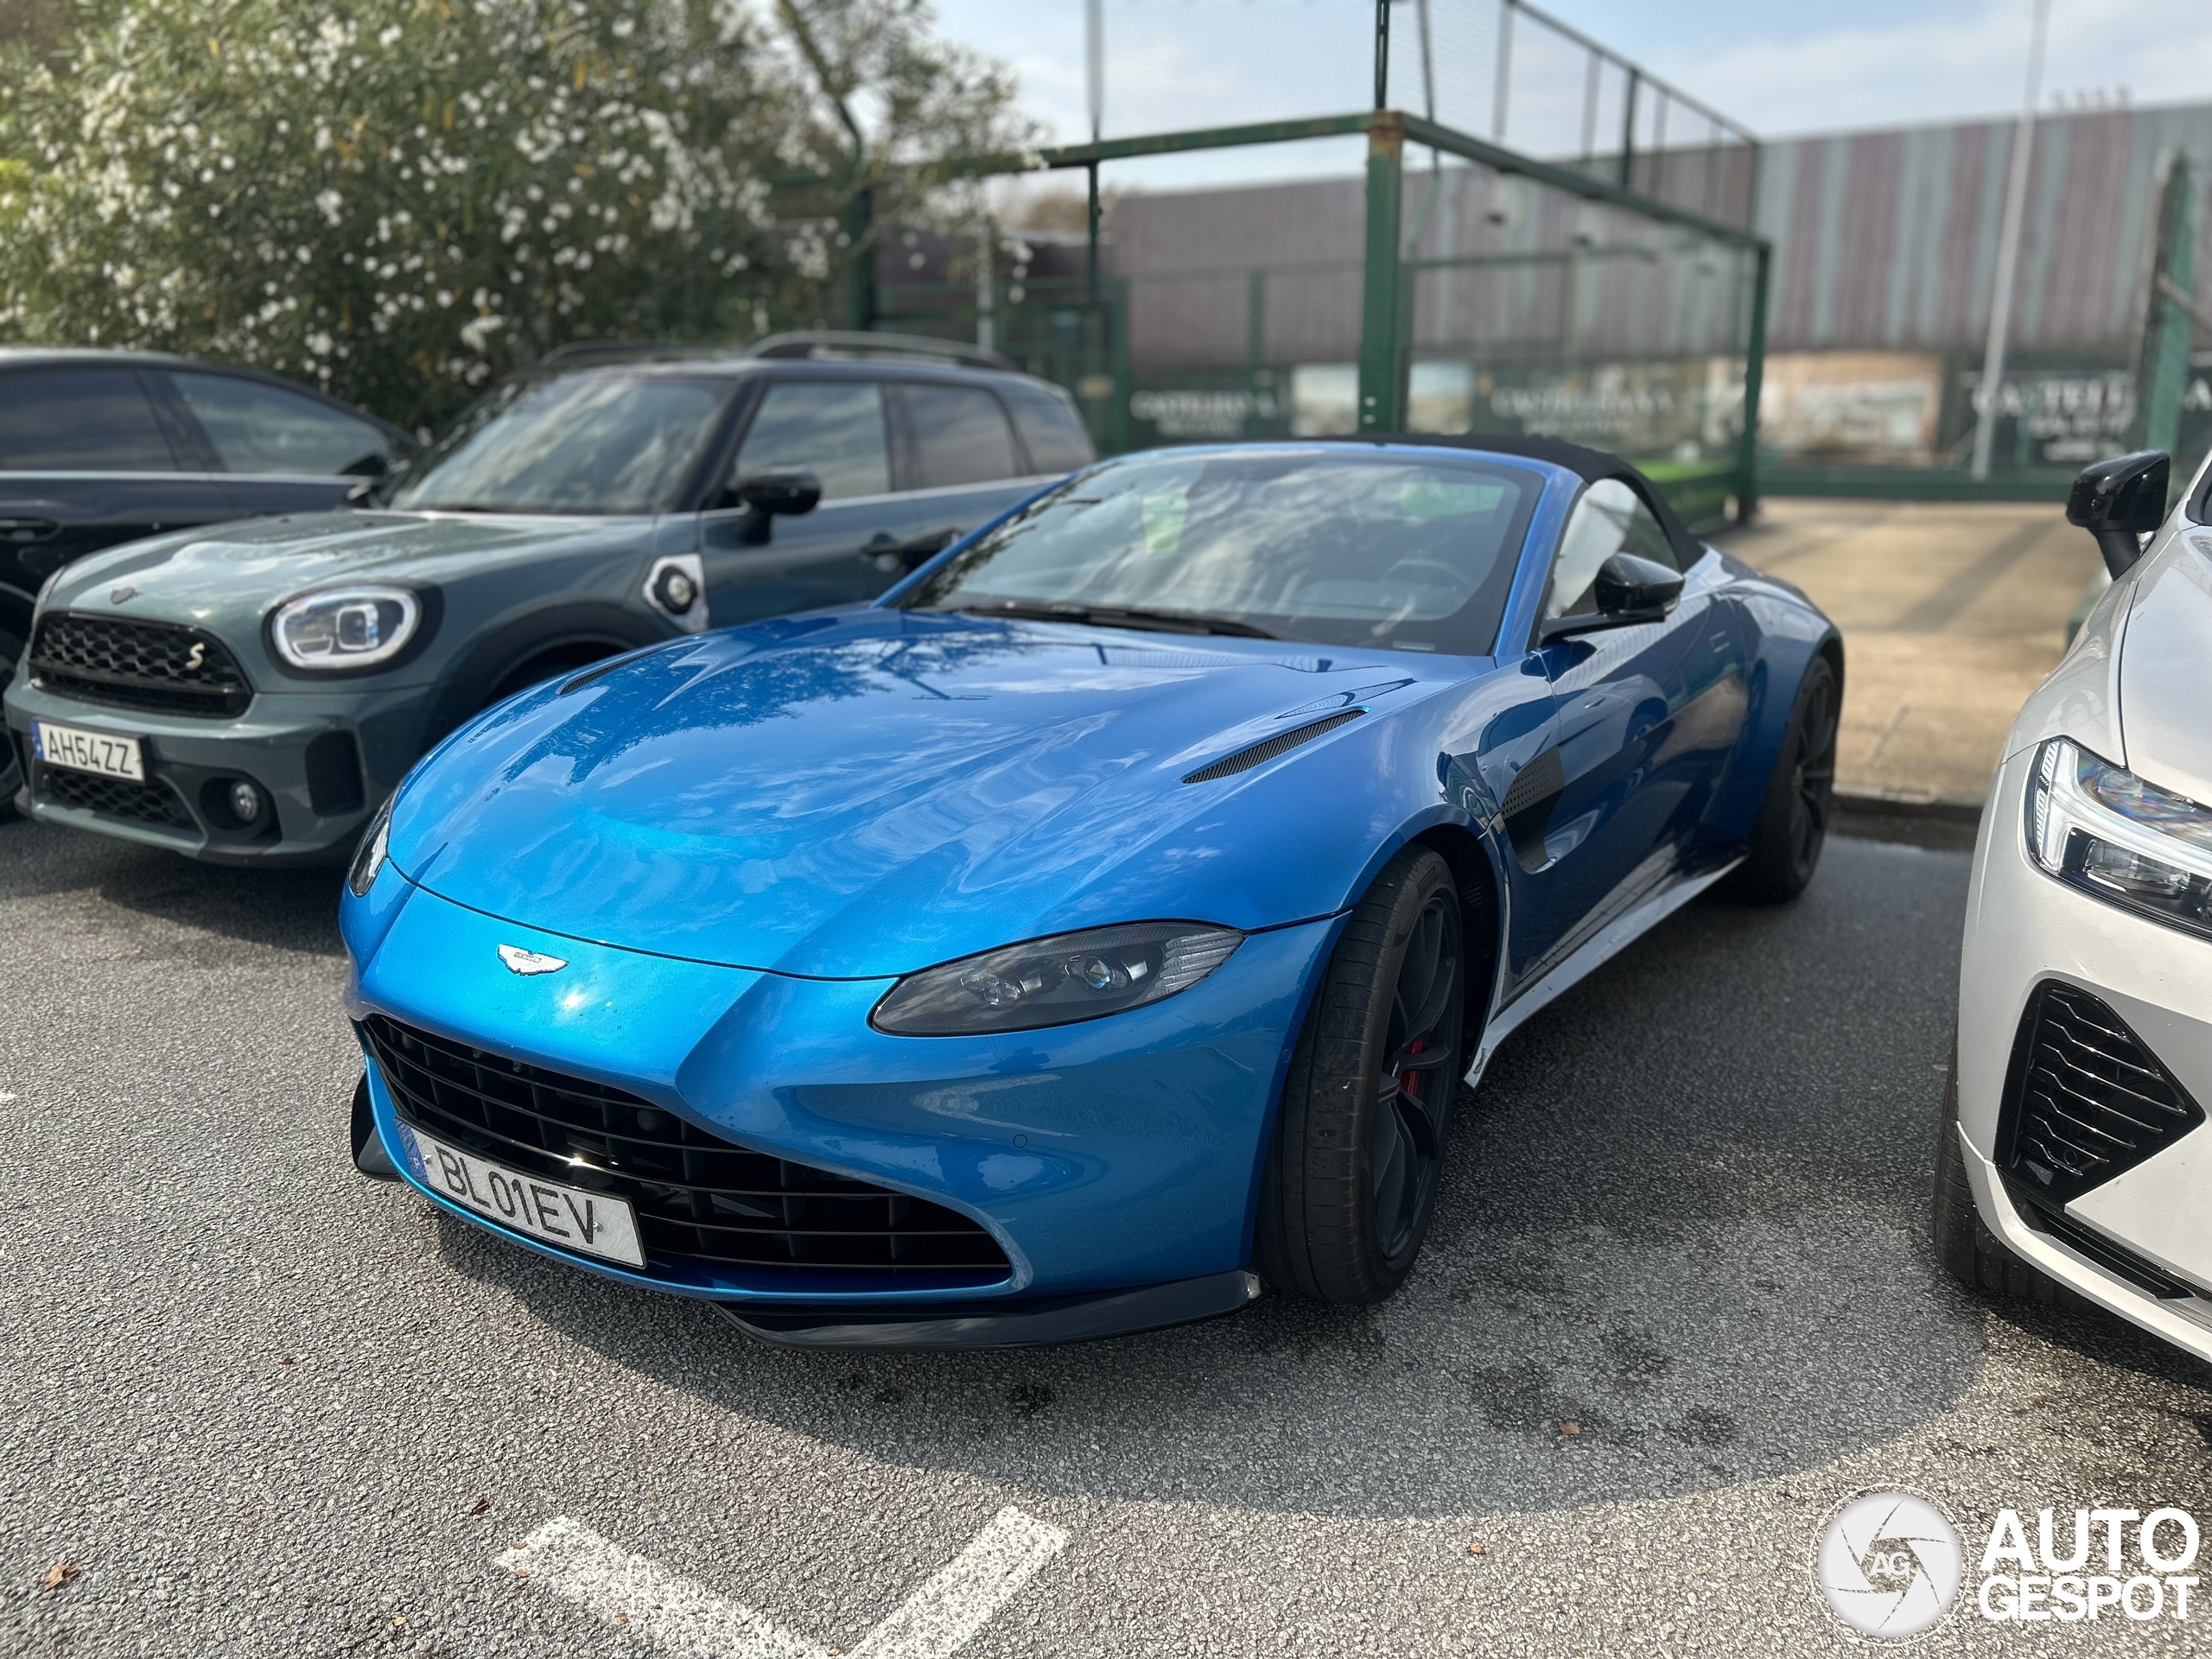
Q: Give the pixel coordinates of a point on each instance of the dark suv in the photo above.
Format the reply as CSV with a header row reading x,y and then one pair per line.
x,y
250,694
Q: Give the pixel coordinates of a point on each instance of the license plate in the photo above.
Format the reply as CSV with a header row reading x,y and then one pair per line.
x,y
83,751
567,1216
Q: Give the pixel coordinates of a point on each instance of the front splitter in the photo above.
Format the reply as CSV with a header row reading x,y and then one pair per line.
x,y
1043,1323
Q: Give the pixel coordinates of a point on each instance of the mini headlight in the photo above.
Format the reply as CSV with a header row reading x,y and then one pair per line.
x,y
343,628
369,858
1056,980
2102,829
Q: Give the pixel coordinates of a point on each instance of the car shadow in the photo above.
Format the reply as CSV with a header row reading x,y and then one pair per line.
x,y
167,903
1679,1249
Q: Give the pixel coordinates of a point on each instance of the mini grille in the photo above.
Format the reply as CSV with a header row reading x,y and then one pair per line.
x,y
115,798
700,1202
156,666
2086,1099
1260,753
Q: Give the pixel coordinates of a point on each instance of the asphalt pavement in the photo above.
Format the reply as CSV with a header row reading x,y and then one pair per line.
x,y
1677,1304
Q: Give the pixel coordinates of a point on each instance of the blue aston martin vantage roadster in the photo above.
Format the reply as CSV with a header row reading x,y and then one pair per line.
x,y
1099,926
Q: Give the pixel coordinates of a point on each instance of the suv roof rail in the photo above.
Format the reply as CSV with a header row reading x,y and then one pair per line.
x,y
580,351
843,342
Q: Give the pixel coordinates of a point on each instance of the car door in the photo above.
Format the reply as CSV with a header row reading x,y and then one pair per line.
x,y
281,451
90,456
958,453
1643,718
846,550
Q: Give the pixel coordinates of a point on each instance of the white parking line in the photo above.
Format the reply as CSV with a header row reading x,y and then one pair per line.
x,y
685,1617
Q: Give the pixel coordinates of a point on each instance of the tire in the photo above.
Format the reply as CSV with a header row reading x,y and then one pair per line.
x,y
1352,1174
1972,1253
11,648
1793,822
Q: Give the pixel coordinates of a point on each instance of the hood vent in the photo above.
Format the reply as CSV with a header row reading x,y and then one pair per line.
x,y
1267,749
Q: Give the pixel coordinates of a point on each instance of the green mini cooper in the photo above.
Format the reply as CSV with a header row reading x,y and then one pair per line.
x,y
250,693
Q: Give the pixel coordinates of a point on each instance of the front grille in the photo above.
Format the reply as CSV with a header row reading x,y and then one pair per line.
x,y
699,1201
157,666
115,798
2085,1099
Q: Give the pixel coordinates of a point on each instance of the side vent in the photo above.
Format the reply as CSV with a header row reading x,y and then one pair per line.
x,y
1267,749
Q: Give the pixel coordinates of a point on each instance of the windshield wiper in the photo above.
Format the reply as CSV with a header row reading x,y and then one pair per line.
x,y
1119,616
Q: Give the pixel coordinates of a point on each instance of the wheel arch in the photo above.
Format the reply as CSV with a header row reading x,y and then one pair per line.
x,y
558,633
1482,911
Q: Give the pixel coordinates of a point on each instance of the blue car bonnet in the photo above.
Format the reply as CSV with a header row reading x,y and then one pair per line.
x,y
867,793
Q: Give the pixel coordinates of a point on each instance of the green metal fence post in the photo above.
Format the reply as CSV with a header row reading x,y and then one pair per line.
x,y
860,302
1628,129
2162,355
1380,374
1747,459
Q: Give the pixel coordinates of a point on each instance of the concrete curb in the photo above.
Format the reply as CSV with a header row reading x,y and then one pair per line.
x,y
1942,823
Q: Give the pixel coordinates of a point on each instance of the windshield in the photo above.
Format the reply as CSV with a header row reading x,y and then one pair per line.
x,y
580,443
1355,547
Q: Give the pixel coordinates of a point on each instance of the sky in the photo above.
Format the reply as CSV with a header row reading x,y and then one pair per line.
x,y
1778,66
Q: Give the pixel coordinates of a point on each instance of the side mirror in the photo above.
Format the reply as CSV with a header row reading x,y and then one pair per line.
x,y
2119,500
1628,590
785,492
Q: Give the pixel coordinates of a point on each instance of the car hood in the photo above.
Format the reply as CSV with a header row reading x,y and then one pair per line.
x,y
2162,674
223,572
866,793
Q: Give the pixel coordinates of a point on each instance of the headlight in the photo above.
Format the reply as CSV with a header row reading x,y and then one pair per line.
x,y
1056,980
369,857
342,628
2105,830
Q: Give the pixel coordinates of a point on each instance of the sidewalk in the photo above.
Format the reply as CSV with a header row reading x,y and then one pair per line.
x,y
1951,614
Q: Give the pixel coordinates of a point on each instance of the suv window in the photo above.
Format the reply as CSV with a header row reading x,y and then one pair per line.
x,y
79,420
1609,518
954,435
259,429
834,429
1054,434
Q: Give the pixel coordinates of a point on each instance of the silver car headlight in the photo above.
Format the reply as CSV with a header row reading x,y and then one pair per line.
x,y
344,628
1055,980
2099,828
368,858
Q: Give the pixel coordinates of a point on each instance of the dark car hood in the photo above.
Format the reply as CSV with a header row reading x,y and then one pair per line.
x,y
231,573
867,793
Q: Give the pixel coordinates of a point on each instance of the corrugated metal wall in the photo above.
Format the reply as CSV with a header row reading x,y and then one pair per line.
x,y
1888,241
1883,240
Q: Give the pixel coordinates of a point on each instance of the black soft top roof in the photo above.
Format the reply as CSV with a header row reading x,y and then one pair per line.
x,y
1587,464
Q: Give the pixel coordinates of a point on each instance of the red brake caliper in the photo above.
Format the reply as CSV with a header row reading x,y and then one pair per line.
x,y
1410,1081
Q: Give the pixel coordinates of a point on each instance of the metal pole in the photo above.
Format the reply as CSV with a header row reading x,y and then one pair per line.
x,y
2008,248
1628,129
1090,252
1379,376
1094,63
1497,102
1747,454
1381,54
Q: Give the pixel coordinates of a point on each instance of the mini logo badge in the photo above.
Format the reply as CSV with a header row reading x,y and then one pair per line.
x,y
527,963
117,595
1888,1564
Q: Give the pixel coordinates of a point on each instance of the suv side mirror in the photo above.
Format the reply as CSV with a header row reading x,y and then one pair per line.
x,y
2119,500
1629,590
784,493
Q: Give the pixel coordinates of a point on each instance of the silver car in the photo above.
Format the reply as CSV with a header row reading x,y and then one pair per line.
x,y
2073,1160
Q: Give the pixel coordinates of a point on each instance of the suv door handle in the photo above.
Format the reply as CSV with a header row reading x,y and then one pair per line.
x,y
26,529
889,554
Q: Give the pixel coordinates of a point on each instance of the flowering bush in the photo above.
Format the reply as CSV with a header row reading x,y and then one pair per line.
x,y
400,199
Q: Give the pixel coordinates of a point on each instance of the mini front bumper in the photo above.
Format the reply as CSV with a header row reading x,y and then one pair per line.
x,y
324,759
2025,928
1105,1157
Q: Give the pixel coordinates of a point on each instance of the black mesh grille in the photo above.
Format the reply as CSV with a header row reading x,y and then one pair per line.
x,y
157,666
115,798
2086,1099
1258,754
699,1199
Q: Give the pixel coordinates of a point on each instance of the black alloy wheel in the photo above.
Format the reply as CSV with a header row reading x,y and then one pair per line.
x,y
1358,1153
1793,822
